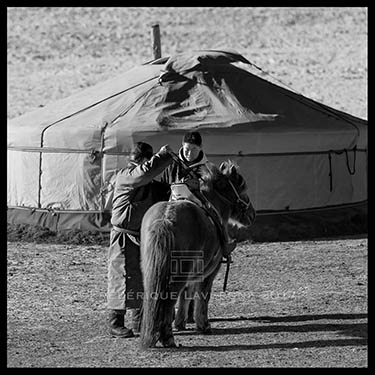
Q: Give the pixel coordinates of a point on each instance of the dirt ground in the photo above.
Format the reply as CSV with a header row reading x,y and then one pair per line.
x,y
288,304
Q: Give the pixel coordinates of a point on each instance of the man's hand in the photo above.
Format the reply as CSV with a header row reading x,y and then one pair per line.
x,y
166,149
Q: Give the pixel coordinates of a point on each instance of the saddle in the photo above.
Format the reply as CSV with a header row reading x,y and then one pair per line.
x,y
180,191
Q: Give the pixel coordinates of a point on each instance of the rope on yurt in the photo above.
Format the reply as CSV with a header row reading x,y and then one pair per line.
x,y
351,171
102,132
100,101
330,171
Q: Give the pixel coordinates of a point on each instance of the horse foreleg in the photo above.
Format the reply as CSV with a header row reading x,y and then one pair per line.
x,y
190,317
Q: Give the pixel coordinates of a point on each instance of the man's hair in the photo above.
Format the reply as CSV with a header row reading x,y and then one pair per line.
x,y
193,138
141,150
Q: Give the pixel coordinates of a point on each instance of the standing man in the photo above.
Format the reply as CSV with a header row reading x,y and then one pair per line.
x,y
133,196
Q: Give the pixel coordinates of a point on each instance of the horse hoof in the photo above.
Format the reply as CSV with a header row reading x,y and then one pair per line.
x,y
169,344
180,327
205,330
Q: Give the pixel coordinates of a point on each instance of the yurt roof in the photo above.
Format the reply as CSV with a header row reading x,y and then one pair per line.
x,y
210,91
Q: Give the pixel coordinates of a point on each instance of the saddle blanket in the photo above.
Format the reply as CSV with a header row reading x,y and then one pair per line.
x,y
181,191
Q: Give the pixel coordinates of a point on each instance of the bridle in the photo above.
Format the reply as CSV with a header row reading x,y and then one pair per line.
x,y
244,205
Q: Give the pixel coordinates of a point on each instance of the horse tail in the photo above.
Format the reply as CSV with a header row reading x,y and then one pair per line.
x,y
156,246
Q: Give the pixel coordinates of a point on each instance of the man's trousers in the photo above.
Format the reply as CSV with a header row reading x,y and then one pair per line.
x,y
125,287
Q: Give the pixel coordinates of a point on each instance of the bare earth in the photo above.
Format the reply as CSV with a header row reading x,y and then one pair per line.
x,y
288,304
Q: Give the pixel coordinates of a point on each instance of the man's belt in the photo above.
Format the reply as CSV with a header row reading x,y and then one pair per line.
x,y
127,231
132,234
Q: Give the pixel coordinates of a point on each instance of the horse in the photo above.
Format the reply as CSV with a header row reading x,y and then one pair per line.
x,y
181,253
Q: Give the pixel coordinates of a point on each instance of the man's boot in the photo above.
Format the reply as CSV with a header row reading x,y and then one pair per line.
x,y
136,320
116,320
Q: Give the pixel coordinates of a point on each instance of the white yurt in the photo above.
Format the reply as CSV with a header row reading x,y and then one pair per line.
x,y
301,159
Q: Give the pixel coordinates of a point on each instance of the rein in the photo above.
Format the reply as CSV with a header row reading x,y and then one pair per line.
x,y
185,166
246,205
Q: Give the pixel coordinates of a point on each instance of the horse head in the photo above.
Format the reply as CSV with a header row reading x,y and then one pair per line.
x,y
231,187
234,188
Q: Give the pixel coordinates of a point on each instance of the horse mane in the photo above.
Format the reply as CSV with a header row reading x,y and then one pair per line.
x,y
213,175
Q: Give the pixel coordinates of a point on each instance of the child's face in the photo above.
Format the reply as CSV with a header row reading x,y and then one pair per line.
x,y
190,151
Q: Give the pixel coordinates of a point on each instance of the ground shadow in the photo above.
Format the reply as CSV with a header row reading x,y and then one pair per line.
x,y
293,318
356,333
357,330
287,345
353,330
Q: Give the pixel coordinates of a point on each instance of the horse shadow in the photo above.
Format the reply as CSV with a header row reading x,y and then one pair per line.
x,y
355,334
